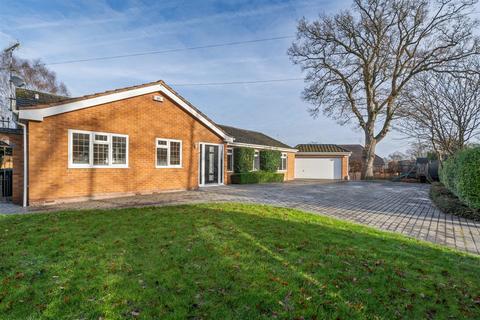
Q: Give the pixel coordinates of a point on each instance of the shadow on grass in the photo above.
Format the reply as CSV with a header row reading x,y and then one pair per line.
x,y
224,261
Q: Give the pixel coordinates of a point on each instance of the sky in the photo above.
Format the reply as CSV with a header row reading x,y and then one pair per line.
x,y
56,31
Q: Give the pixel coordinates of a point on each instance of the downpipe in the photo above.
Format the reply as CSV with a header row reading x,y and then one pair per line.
x,y
25,164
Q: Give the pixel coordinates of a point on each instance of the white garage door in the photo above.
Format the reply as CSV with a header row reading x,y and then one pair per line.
x,y
318,168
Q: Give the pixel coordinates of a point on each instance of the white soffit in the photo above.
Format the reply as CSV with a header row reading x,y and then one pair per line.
x,y
39,114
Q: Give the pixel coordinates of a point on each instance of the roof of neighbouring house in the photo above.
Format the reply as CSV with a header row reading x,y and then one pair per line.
x,y
323,148
357,154
253,137
27,98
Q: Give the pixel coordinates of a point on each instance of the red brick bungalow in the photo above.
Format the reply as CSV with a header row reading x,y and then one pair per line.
x,y
136,140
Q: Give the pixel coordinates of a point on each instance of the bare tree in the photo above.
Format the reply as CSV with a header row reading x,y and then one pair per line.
x,y
397,156
443,110
35,74
358,62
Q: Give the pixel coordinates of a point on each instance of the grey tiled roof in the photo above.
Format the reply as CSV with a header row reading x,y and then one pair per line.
x,y
28,98
252,137
357,154
314,147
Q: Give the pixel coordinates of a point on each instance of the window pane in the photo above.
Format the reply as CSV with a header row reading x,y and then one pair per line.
x,y
256,161
100,154
161,142
119,150
175,153
229,162
162,157
80,148
284,164
101,137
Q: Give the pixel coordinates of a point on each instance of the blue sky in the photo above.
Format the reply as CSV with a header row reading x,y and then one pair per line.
x,y
64,30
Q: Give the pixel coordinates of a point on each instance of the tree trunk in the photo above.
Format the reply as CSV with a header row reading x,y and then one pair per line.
x,y
368,158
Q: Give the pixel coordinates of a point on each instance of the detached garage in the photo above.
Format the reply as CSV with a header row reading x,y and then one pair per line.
x,y
321,161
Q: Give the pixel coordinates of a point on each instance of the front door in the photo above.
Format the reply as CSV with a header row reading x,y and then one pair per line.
x,y
211,164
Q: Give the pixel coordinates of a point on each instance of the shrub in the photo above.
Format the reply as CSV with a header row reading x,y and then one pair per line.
x,y
256,177
446,201
461,175
243,159
468,177
447,173
270,160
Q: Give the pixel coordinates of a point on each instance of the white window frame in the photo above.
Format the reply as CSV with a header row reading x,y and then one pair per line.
x,y
256,152
168,153
284,155
92,134
230,152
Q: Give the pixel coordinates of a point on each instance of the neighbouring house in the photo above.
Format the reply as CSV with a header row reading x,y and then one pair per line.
x,y
135,140
356,161
321,161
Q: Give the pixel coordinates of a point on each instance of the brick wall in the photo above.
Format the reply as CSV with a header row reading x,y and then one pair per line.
x,y
15,139
143,120
290,174
345,167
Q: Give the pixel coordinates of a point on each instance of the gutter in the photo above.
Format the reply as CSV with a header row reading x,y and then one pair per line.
x,y
324,153
258,146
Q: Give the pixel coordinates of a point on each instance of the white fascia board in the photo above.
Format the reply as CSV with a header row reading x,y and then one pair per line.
x,y
39,114
257,146
324,153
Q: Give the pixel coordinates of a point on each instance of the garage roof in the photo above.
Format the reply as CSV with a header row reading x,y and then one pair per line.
x,y
323,148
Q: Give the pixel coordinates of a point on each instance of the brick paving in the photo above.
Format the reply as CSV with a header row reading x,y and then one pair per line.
x,y
398,207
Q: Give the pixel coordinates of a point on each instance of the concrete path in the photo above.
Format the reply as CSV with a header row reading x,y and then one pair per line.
x,y
399,207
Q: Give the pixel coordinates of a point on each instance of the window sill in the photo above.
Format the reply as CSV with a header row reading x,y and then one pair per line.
x,y
168,167
97,167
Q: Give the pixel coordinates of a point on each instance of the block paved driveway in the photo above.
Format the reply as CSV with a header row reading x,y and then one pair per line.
x,y
398,207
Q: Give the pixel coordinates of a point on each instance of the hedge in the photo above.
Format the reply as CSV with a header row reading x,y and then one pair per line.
x,y
461,175
270,160
256,177
243,159
449,203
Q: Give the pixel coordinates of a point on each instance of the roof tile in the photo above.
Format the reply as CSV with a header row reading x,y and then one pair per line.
x,y
253,137
333,148
357,154
26,98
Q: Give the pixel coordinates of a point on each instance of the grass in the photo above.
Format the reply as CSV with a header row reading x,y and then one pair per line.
x,y
224,261
446,201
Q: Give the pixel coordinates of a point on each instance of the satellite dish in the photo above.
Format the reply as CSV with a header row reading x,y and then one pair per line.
x,y
17,81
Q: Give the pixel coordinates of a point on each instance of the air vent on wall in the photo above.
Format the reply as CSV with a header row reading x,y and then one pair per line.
x,y
158,98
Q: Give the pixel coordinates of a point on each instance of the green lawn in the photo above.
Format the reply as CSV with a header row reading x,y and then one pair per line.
x,y
224,261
